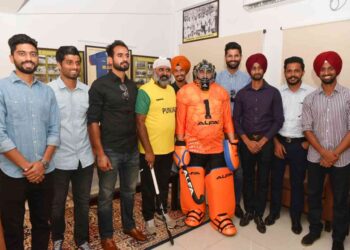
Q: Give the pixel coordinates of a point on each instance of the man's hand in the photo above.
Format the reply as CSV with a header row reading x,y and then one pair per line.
x,y
325,163
329,156
305,145
35,173
150,158
280,150
262,142
252,146
103,163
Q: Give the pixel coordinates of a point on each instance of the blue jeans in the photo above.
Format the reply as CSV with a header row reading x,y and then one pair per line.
x,y
81,179
128,166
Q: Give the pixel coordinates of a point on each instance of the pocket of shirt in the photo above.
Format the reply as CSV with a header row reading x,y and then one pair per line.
x,y
17,110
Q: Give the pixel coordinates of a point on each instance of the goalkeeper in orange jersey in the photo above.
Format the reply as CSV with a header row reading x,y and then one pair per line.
x,y
203,117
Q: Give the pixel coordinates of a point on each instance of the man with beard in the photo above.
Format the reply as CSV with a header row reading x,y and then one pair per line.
x,y
258,114
29,135
326,125
180,66
290,145
112,130
74,158
233,80
155,115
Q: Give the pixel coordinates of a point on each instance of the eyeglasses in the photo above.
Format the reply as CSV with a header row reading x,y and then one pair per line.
x,y
233,95
125,94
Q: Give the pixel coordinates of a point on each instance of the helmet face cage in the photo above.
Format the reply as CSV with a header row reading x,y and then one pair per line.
x,y
206,67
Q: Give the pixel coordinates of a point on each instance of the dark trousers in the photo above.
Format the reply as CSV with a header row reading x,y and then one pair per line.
x,y
13,194
340,181
296,159
81,185
255,198
162,168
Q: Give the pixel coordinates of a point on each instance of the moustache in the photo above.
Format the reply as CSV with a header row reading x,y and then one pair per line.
x,y
31,62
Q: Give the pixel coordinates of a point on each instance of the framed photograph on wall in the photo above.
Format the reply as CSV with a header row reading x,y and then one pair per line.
x,y
201,22
142,68
47,70
97,63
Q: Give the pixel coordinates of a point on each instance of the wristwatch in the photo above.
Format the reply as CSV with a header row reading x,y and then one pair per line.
x,y
45,163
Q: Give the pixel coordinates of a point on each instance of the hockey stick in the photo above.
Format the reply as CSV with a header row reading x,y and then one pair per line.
x,y
161,205
197,200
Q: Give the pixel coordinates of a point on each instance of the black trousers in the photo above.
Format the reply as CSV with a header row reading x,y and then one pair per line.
x,y
162,168
296,159
13,194
340,181
255,198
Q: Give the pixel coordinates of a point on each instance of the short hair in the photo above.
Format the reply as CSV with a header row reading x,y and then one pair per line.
x,y
66,50
294,59
21,39
111,47
233,45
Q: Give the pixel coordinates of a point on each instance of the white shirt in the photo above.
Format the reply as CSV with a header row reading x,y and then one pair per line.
x,y
75,144
292,109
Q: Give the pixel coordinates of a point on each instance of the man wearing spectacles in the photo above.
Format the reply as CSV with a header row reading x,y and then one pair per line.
x,y
112,129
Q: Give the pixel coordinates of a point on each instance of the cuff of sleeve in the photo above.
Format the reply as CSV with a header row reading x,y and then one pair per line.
x,y
53,141
6,145
306,128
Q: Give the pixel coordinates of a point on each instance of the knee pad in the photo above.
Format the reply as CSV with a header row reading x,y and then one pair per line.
x,y
195,212
219,186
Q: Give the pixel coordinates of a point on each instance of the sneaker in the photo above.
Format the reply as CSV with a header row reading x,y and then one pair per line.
x,y
171,222
150,227
57,244
84,246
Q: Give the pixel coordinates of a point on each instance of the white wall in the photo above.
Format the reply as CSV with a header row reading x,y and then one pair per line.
x,y
234,19
145,30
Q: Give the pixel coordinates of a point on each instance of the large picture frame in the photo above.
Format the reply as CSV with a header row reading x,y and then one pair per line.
x,y
142,68
201,22
47,70
97,63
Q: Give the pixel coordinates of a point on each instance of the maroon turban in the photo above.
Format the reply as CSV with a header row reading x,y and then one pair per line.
x,y
181,61
256,58
332,58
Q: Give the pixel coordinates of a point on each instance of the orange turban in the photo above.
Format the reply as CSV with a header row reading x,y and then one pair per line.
x,y
332,58
256,58
181,61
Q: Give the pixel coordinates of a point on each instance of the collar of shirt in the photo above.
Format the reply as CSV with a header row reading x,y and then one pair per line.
x,y
337,89
15,79
303,87
231,75
113,77
61,84
264,86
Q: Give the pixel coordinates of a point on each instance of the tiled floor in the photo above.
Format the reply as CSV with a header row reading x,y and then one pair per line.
x,y
277,237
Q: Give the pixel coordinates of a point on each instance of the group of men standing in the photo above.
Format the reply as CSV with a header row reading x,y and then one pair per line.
x,y
51,135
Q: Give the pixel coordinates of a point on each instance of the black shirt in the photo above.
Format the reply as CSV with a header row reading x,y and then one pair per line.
x,y
114,109
176,88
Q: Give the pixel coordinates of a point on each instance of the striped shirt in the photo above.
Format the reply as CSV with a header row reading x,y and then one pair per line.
x,y
328,117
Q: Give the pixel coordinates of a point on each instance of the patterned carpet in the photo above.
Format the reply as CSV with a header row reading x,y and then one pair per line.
x,y
123,241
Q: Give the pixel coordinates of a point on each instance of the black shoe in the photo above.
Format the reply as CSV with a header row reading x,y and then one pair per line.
x,y
260,225
247,217
309,239
296,226
337,245
271,219
239,212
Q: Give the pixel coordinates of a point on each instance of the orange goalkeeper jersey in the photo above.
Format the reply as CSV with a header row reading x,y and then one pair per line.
x,y
203,117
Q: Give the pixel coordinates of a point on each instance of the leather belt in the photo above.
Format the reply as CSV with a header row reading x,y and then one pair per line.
x,y
255,137
290,139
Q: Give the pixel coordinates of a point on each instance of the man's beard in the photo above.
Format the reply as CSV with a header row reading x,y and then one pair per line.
x,y
162,80
120,67
180,78
329,80
233,64
257,77
292,83
28,71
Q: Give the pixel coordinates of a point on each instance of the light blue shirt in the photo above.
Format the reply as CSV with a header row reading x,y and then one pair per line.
x,y
29,121
232,82
75,144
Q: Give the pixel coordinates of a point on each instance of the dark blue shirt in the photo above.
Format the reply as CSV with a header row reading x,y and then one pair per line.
x,y
258,111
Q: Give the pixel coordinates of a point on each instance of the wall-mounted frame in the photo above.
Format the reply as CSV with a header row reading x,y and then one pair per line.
x,y
142,68
97,63
47,70
201,22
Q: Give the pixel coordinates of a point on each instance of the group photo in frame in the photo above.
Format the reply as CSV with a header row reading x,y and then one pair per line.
x,y
47,70
97,63
201,22
142,68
